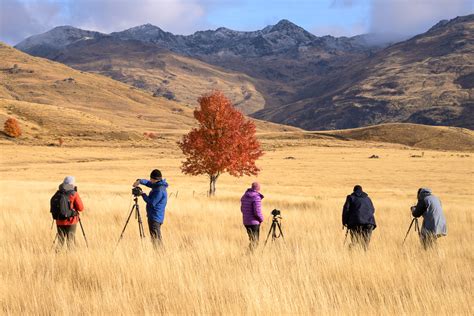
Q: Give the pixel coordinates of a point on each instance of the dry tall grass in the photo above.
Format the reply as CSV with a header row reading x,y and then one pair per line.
x,y
204,267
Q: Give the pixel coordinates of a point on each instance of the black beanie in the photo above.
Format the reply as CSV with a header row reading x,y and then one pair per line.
x,y
357,188
155,174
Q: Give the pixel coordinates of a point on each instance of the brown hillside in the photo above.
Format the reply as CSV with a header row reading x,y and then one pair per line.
x,y
52,100
161,72
424,80
413,135
40,81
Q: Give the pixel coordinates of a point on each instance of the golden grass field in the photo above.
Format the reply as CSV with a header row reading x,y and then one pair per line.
x,y
204,267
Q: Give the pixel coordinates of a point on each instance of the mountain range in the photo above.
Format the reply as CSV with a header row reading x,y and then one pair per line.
x,y
285,74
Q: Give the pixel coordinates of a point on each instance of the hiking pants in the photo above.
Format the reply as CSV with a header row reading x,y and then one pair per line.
x,y
254,233
155,232
360,235
66,233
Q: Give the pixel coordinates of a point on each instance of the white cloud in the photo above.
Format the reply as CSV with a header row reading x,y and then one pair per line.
x,y
22,18
178,16
338,30
19,20
396,19
410,17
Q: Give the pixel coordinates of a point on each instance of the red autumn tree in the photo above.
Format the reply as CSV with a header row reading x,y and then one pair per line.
x,y
12,128
223,142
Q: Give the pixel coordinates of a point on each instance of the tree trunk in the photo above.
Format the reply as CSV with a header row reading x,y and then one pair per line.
x,y
212,184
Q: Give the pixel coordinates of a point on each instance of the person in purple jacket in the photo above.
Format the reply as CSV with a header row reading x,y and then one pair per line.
x,y
251,207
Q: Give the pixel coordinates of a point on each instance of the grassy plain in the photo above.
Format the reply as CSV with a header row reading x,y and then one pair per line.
x,y
204,267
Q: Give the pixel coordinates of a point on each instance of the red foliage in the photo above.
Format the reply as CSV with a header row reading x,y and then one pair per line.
x,y
12,128
224,141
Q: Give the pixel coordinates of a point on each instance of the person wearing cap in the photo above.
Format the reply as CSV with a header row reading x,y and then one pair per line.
x,y
251,208
156,202
434,222
358,217
67,227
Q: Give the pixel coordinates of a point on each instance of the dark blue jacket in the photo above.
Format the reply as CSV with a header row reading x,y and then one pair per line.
x,y
358,210
156,200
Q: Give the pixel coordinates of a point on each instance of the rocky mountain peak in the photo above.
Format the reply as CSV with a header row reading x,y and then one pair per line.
x,y
285,28
285,25
56,38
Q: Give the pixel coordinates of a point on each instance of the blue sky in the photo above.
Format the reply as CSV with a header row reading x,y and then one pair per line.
x,y
22,18
315,16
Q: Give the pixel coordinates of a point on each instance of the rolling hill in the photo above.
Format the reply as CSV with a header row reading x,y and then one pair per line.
x,y
52,100
413,135
143,65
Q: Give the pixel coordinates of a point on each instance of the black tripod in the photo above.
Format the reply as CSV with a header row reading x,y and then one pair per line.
x,y
137,216
83,233
417,228
276,224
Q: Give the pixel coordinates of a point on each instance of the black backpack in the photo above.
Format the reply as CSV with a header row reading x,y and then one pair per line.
x,y
60,205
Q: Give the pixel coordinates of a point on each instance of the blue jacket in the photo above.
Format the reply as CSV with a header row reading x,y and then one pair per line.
x,y
156,200
429,206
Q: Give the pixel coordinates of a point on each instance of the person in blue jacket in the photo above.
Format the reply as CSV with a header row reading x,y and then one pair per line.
x,y
156,202
434,222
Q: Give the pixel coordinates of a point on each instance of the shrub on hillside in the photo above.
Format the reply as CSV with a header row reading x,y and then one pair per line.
x,y
150,135
12,128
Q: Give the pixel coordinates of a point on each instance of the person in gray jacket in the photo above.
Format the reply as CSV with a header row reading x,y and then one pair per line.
x,y
434,222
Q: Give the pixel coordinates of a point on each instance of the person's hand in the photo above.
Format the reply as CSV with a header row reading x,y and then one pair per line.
x,y
136,183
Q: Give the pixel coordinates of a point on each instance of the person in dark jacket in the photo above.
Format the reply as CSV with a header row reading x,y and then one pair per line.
x,y
358,217
251,208
67,227
156,202
434,222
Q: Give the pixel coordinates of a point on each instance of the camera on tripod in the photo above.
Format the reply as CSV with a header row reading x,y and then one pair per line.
x,y
137,191
275,229
276,213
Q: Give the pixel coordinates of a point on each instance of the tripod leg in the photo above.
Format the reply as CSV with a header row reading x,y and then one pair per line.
x,y
83,233
281,232
54,241
272,228
140,223
126,223
408,231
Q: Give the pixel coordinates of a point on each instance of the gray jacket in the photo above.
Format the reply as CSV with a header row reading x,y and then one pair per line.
x,y
429,206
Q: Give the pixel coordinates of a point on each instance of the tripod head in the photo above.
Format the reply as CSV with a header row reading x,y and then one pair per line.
x,y
276,215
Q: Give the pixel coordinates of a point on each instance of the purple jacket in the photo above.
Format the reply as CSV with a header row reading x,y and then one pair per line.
x,y
251,207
